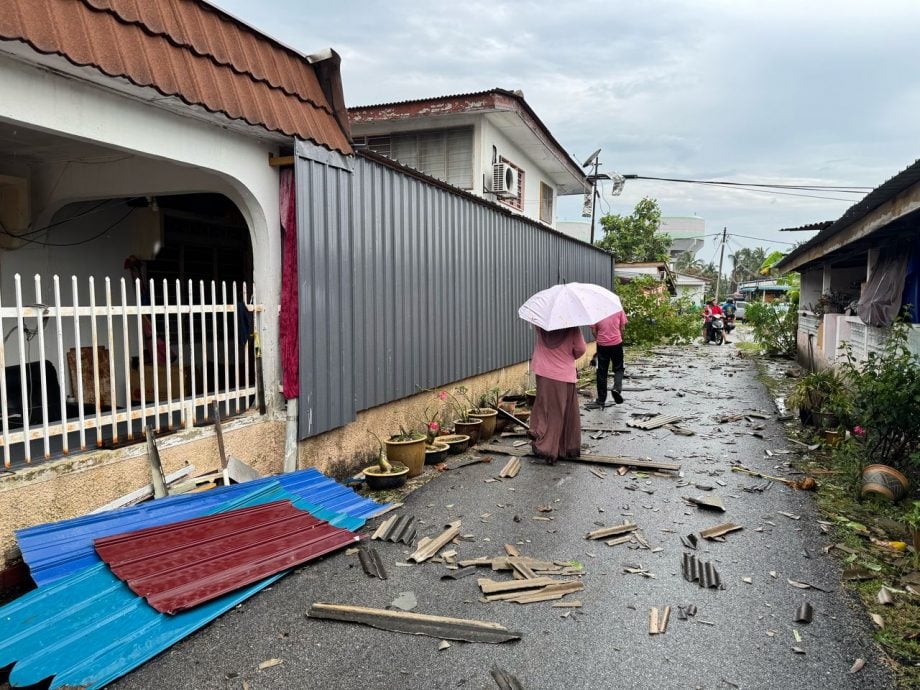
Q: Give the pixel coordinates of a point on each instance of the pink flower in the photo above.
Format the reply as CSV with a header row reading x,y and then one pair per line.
x,y
859,431
434,426
442,395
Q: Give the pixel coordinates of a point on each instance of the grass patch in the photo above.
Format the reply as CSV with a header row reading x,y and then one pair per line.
x,y
859,527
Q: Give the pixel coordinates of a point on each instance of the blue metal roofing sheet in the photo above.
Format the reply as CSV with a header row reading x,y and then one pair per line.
x,y
57,549
88,628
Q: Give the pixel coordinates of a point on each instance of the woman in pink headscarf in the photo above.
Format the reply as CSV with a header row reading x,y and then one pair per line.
x,y
555,425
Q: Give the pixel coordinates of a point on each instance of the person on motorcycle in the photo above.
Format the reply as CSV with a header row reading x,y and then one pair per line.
x,y
729,310
711,309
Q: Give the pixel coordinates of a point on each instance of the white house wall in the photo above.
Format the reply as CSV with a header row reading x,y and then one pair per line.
x,y
164,153
492,136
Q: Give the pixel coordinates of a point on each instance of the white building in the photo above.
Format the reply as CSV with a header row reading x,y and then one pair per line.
x,y
687,233
489,143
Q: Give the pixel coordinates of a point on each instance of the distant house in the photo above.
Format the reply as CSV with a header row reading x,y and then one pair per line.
x,y
865,264
659,270
691,287
762,290
490,143
687,233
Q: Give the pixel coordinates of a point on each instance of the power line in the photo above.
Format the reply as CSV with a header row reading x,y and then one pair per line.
x,y
849,189
74,244
92,209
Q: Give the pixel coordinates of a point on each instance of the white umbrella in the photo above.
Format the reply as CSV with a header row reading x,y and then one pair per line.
x,y
569,304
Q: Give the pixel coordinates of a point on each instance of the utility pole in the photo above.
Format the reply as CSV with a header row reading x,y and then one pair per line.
x,y
594,195
721,257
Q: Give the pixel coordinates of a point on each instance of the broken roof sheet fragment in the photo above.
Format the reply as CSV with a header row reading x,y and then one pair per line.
x,y
804,613
371,563
439,627
57,549
606,532
719,530
703,572
428,547
399,528
505,680
707,502
655,422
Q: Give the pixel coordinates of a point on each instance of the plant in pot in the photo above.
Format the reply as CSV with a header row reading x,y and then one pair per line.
x,y
820,396
384,474
408,448
831,302
464,423
486,409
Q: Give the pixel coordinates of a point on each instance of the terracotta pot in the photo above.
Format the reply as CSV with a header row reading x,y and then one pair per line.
x,y
825,420
885,481
489,418
832,437
470,428
377,480
436,452
409,453
457,443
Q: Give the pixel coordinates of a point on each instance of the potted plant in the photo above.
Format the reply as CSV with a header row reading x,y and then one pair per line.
x,y
821,397
831,302
408,448
456,443
383,474
487,410
436,452
465,423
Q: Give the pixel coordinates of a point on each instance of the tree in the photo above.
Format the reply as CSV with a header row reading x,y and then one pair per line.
x,y
635,238
748,263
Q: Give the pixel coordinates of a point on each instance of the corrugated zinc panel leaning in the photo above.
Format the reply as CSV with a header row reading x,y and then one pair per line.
x,y
184,564
88,628
57,549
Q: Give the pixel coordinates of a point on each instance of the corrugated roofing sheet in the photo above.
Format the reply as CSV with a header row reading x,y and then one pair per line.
x,y
88,628
57,549
184,564
185,49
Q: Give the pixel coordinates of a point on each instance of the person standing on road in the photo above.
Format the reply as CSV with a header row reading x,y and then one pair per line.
x,y
555,424
609,335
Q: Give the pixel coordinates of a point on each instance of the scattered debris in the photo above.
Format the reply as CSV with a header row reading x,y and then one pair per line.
x,y
490,587
372,564
798,650
511,468
428,547
460,573
406,601
399,528
857,666
719,530
576,604
655,422
802,484
416,623
884,596
804,613
442,645
702,572
878,620
791,516
747,580
686,611
605,532
707,502
268,663
504,680
600,474
690,541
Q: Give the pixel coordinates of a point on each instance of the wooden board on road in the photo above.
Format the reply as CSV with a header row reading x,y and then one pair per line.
x,y
615,460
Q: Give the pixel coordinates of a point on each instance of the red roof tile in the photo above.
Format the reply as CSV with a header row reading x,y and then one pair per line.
x,y
183,564
187,49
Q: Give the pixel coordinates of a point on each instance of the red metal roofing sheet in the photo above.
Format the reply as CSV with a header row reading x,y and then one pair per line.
x,y
183,49
178,566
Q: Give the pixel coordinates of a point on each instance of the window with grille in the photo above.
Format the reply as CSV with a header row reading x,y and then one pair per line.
x,y
519,202
546,204
446,154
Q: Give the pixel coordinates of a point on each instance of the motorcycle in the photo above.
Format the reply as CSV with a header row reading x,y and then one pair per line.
x,y
729,323
716,326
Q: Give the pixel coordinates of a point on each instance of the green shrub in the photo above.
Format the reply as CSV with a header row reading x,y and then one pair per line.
x,y
886,401
653,317
774,329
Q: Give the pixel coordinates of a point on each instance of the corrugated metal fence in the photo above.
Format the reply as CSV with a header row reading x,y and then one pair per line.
x,y
406,285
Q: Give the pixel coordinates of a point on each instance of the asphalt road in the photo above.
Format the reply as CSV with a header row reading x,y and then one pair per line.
x,y
742,635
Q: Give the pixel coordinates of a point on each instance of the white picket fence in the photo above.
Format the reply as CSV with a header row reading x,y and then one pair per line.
x,y
205,359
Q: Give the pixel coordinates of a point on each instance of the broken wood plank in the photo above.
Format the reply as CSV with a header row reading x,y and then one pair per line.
x,y
616,530
548,593
511,468
623,461
219,431
512,551
439,627
653,621
663,620
655,422
719,530
429,547
598,473
157,478
497,587
476,562
240,472
504,563
620,540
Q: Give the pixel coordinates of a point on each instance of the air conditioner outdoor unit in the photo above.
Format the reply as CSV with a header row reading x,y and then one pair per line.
x,y
504,181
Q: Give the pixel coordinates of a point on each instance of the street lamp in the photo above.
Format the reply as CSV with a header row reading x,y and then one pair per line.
x,y
593,178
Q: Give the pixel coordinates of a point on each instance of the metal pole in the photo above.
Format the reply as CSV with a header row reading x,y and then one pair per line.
x,y
594,197
721,257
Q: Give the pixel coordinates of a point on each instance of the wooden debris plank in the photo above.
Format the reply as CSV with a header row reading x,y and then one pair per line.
x,y
504,563
521,568
653,621
548,593
511,468
480,562
605,532
598,473
623,461
663,619
512,551
429,547
719,530
496,587
439,627
620,540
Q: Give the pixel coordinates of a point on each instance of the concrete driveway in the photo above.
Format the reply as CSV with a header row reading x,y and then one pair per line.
x,y
742,635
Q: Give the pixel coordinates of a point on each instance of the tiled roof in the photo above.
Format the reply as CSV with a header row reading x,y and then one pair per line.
x,y
187,49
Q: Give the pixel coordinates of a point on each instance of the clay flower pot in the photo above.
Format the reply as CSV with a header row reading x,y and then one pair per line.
x,y
457,443
436,452
885,481
378,480
408,453
470,428
489,418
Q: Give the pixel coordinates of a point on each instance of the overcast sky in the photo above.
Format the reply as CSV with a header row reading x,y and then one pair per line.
x,y
782,91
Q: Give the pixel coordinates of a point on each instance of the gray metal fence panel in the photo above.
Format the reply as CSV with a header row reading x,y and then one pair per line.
x,y
406,285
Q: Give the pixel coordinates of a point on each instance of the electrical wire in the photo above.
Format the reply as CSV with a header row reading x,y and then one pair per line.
x,y
93,209
85,241
848,189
